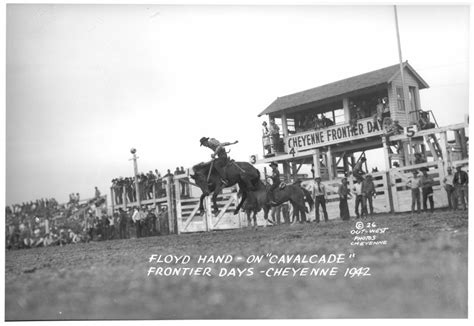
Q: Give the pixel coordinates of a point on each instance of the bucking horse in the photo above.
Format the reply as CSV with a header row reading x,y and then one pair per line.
x,y
206,177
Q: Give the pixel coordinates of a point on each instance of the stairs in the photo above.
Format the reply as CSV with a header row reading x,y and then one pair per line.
x,y
435,149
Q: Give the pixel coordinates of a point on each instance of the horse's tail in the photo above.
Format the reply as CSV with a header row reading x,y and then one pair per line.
x,y
309,198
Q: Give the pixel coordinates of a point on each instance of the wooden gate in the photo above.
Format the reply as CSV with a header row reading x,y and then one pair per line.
x,y
381,201
189,219
401,193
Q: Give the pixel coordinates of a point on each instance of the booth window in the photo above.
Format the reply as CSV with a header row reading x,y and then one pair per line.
x,y
400,99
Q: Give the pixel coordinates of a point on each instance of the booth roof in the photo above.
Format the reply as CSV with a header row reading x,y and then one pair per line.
x,y
341,87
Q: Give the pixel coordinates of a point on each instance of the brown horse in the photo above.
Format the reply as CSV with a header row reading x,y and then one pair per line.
x,y
294,193
206,177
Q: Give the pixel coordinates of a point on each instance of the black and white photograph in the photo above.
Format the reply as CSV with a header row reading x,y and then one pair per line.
x,y
236,161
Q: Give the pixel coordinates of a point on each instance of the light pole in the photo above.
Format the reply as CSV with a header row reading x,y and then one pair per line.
x,y
135,172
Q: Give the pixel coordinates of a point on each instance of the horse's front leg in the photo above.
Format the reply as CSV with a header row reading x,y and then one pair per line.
x,y
244,196
266,210
201,203
214,200
249,218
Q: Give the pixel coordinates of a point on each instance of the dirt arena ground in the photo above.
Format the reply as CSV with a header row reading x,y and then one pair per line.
x,y
420,272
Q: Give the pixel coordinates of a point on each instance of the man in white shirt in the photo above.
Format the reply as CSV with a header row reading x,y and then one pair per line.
x,y
319,193
358,199
448,182
139,218
414,184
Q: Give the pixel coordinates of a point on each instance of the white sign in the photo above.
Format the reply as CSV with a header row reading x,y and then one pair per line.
x,y
332,135
410,131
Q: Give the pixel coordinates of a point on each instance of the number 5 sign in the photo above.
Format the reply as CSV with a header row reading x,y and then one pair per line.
x,y
410,131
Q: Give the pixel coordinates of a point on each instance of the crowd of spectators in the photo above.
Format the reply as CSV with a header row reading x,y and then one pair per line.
x,y
311,121
151,185
45,222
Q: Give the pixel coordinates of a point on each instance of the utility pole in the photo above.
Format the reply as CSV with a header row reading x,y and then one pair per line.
x,y
401,65
135,172
407,116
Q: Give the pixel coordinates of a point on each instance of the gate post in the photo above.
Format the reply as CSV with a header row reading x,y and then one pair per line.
x,y
392,192
178,211
171,208
208,214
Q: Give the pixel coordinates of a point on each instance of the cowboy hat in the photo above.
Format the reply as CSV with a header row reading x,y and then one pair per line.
x,y
317,178
273,164
424,168
203,139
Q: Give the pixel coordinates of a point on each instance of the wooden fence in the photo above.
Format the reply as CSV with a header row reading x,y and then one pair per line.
x,y
392,195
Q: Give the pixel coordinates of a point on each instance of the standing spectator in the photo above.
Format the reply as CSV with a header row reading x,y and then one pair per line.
x,y
358,199
344,194
386,110
319,193
426,183
142,185
152,222
158,184
378,118
97,193
448,182
112,219
266,138
368,192
123,222
118,190
414,184
104,221
139,218
274,135
461,180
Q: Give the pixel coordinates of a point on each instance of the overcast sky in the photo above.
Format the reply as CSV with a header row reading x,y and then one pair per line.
x,y
85,83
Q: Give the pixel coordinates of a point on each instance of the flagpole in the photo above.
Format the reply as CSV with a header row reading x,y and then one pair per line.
x,y
401,70
401,63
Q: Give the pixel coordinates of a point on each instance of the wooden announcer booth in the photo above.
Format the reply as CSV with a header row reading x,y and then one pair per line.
x,y
331,127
